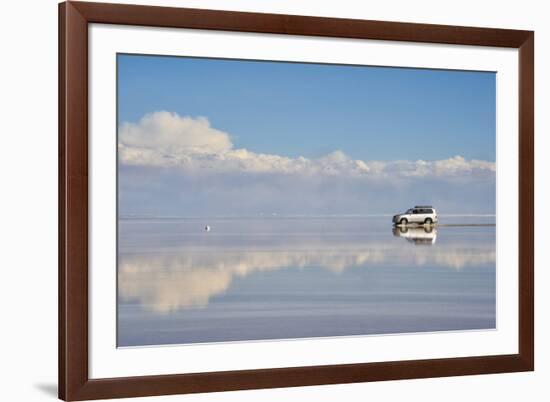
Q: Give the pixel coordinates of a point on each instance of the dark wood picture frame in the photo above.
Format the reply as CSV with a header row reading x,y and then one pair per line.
x,y
74,382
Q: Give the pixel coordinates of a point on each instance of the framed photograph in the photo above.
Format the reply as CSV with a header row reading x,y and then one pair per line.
x,y
260,200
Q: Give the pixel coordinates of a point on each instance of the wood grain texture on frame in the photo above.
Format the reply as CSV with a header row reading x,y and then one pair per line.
x,y
74,382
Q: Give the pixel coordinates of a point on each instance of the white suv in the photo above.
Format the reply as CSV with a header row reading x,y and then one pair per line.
x,y
422,214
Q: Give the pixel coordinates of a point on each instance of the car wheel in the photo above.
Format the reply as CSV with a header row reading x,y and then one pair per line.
x,y
403,221
428,221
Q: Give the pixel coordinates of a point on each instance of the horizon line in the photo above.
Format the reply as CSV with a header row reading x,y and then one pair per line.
x,y
288,216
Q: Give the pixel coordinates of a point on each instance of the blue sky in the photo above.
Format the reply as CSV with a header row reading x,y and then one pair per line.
x,y
229,137
293,109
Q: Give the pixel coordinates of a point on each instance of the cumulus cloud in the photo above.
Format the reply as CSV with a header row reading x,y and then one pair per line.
x,y
172,133
164,139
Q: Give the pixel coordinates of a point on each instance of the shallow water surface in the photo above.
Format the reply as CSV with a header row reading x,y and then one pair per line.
x,y
280,278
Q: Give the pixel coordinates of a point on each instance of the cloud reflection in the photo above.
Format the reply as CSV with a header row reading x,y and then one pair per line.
x,y
163,283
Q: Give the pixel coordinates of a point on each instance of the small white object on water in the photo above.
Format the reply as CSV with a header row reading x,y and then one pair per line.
x,y
207,228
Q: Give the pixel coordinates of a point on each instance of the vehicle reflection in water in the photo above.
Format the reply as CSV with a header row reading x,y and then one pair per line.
x,y
419,235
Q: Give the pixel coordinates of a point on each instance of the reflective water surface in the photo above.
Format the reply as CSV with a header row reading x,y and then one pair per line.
x,y
278,278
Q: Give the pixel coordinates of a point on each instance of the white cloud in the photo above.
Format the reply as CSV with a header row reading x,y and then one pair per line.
x,y
166,139
173,133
